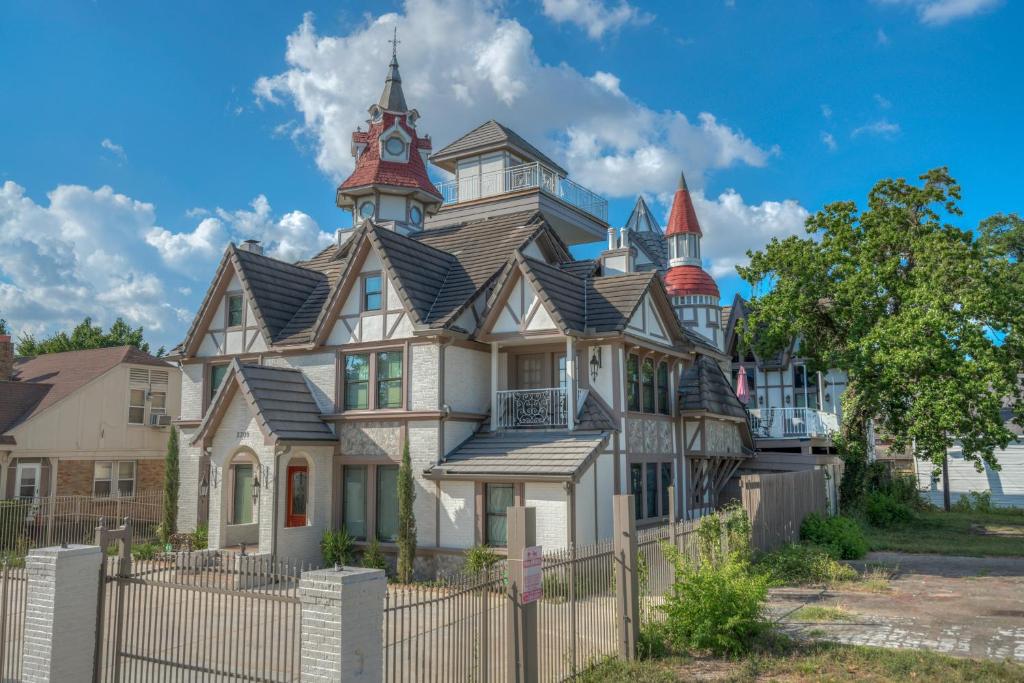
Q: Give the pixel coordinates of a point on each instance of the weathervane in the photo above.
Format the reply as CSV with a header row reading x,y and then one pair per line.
x,y
394,44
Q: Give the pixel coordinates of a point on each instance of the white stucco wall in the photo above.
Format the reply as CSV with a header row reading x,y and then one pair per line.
x,y
455,432
586,519
458,502
552,513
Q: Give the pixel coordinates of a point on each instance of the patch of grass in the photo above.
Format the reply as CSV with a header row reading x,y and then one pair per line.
x,y
949,533
875,578
801,564
822,613
783,659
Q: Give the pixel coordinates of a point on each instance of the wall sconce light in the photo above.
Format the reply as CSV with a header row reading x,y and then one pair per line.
x,y
789,399
595,363
255,489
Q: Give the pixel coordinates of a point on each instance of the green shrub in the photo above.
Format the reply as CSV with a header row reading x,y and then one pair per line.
x,y
479,559
337,547
981,501
884,510
145,551
802,563
715,607
373,558
200,537
840,536
652,643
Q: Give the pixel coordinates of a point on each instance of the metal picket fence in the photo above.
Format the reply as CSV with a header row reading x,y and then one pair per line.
x,y
27,523
13,598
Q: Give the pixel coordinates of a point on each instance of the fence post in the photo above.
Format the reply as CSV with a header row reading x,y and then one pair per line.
x,y
673,517
342,622
523,661
60,614
627,588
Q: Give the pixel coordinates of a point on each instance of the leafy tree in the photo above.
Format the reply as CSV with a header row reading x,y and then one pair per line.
x,y
925,318
171,481
86,336
406,518
3,327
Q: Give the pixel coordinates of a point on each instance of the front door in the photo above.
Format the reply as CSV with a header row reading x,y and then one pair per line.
x,y
298,491
27,479
530,371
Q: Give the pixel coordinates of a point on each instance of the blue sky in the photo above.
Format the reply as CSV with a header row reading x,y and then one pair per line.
x,y
137,139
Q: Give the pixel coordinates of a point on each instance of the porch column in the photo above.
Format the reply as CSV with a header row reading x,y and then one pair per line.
x,y
571,384
494,386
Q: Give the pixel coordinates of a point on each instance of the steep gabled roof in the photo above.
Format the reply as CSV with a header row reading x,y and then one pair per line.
x,y
703,387
612,300
278,289
561,292
419,270
280,400
522,455
641,219
41,381
491,135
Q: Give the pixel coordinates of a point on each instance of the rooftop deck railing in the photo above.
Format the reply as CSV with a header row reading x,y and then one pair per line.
x,y
524,177
792,423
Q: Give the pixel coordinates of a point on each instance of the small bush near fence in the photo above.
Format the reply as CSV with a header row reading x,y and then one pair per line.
x,y
373,557
338,547
717,605
800,564
479,559
883,510
840,536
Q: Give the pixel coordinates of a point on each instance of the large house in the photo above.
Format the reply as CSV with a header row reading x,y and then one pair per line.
x,y
84,423
454,321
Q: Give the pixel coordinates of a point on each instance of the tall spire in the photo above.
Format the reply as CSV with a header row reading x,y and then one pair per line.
x,y
682,219
393,99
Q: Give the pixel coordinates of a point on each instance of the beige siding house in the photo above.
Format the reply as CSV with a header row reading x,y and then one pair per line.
x,y
89,423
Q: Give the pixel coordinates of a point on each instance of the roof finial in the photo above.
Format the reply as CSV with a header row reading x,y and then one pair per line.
x,y
394,44
682,181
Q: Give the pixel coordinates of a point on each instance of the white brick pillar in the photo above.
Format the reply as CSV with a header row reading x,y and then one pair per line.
x,y
60,618
342,625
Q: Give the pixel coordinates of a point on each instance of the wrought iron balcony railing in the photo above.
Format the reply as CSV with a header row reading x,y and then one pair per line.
x,y
525,408
524,177
792,423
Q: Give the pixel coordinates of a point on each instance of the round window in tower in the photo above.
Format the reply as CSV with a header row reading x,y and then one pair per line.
x,y
366,209
395,146
415,215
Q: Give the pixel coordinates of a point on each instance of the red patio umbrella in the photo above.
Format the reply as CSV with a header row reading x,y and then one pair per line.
x,y
742,390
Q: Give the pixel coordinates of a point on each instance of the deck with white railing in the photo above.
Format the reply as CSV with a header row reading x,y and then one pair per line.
x,y
545,408
530,176
792,423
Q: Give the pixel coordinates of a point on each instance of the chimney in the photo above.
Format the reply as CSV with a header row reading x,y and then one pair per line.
x,y
611,239
6,357
619,257
252,246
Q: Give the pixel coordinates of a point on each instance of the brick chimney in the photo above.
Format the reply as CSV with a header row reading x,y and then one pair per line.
x,y
6,357
252,246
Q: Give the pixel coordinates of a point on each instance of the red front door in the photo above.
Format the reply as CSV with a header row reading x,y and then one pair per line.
x,y
298,490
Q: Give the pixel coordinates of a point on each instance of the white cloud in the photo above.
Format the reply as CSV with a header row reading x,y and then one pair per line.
x,y
114,148
882,102
596,17
829,140
464,62
881,37
95,253
881,128
826,111
941,12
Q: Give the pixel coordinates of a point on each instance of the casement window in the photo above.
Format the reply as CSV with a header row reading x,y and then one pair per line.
x,y
649,482
387,503
633,383
372,292
217,375
805,387
353,513
647,381
499,497
235,310
113,478
136,406
664,484
386,369
651,470
664,406
636,487
297,495
241,499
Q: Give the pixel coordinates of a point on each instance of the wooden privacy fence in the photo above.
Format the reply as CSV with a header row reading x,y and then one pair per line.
x,y
778,503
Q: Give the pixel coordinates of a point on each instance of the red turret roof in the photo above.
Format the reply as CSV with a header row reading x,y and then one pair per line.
x,y
682,219
690,280
372,170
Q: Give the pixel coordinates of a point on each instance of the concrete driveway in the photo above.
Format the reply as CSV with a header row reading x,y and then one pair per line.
x,y
967,606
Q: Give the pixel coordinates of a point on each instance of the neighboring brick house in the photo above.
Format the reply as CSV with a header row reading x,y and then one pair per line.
x,y
454,319
87,423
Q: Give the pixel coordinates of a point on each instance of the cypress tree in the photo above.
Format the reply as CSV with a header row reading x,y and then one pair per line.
x,y
171,482
406,518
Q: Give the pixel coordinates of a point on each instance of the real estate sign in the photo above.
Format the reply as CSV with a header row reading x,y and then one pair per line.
x,y
533,565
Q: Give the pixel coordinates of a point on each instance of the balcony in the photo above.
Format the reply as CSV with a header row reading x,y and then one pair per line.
x,y
792,423
535,408
530,176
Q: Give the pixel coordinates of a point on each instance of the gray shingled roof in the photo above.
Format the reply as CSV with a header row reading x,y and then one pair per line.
x,y
562,291
392,98
593,415
611,300
278,289
281,399
652,244
492,135
582,269
704,387
522,454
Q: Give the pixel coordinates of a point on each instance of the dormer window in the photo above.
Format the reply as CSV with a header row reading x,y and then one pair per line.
x,y
395,146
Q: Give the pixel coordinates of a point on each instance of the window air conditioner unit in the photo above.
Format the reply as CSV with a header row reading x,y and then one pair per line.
x,y
159,420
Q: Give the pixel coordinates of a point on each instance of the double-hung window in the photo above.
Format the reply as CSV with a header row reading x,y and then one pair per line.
x,y
113,478
633,383
499,498
136,406
235,310
386,369
372,293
